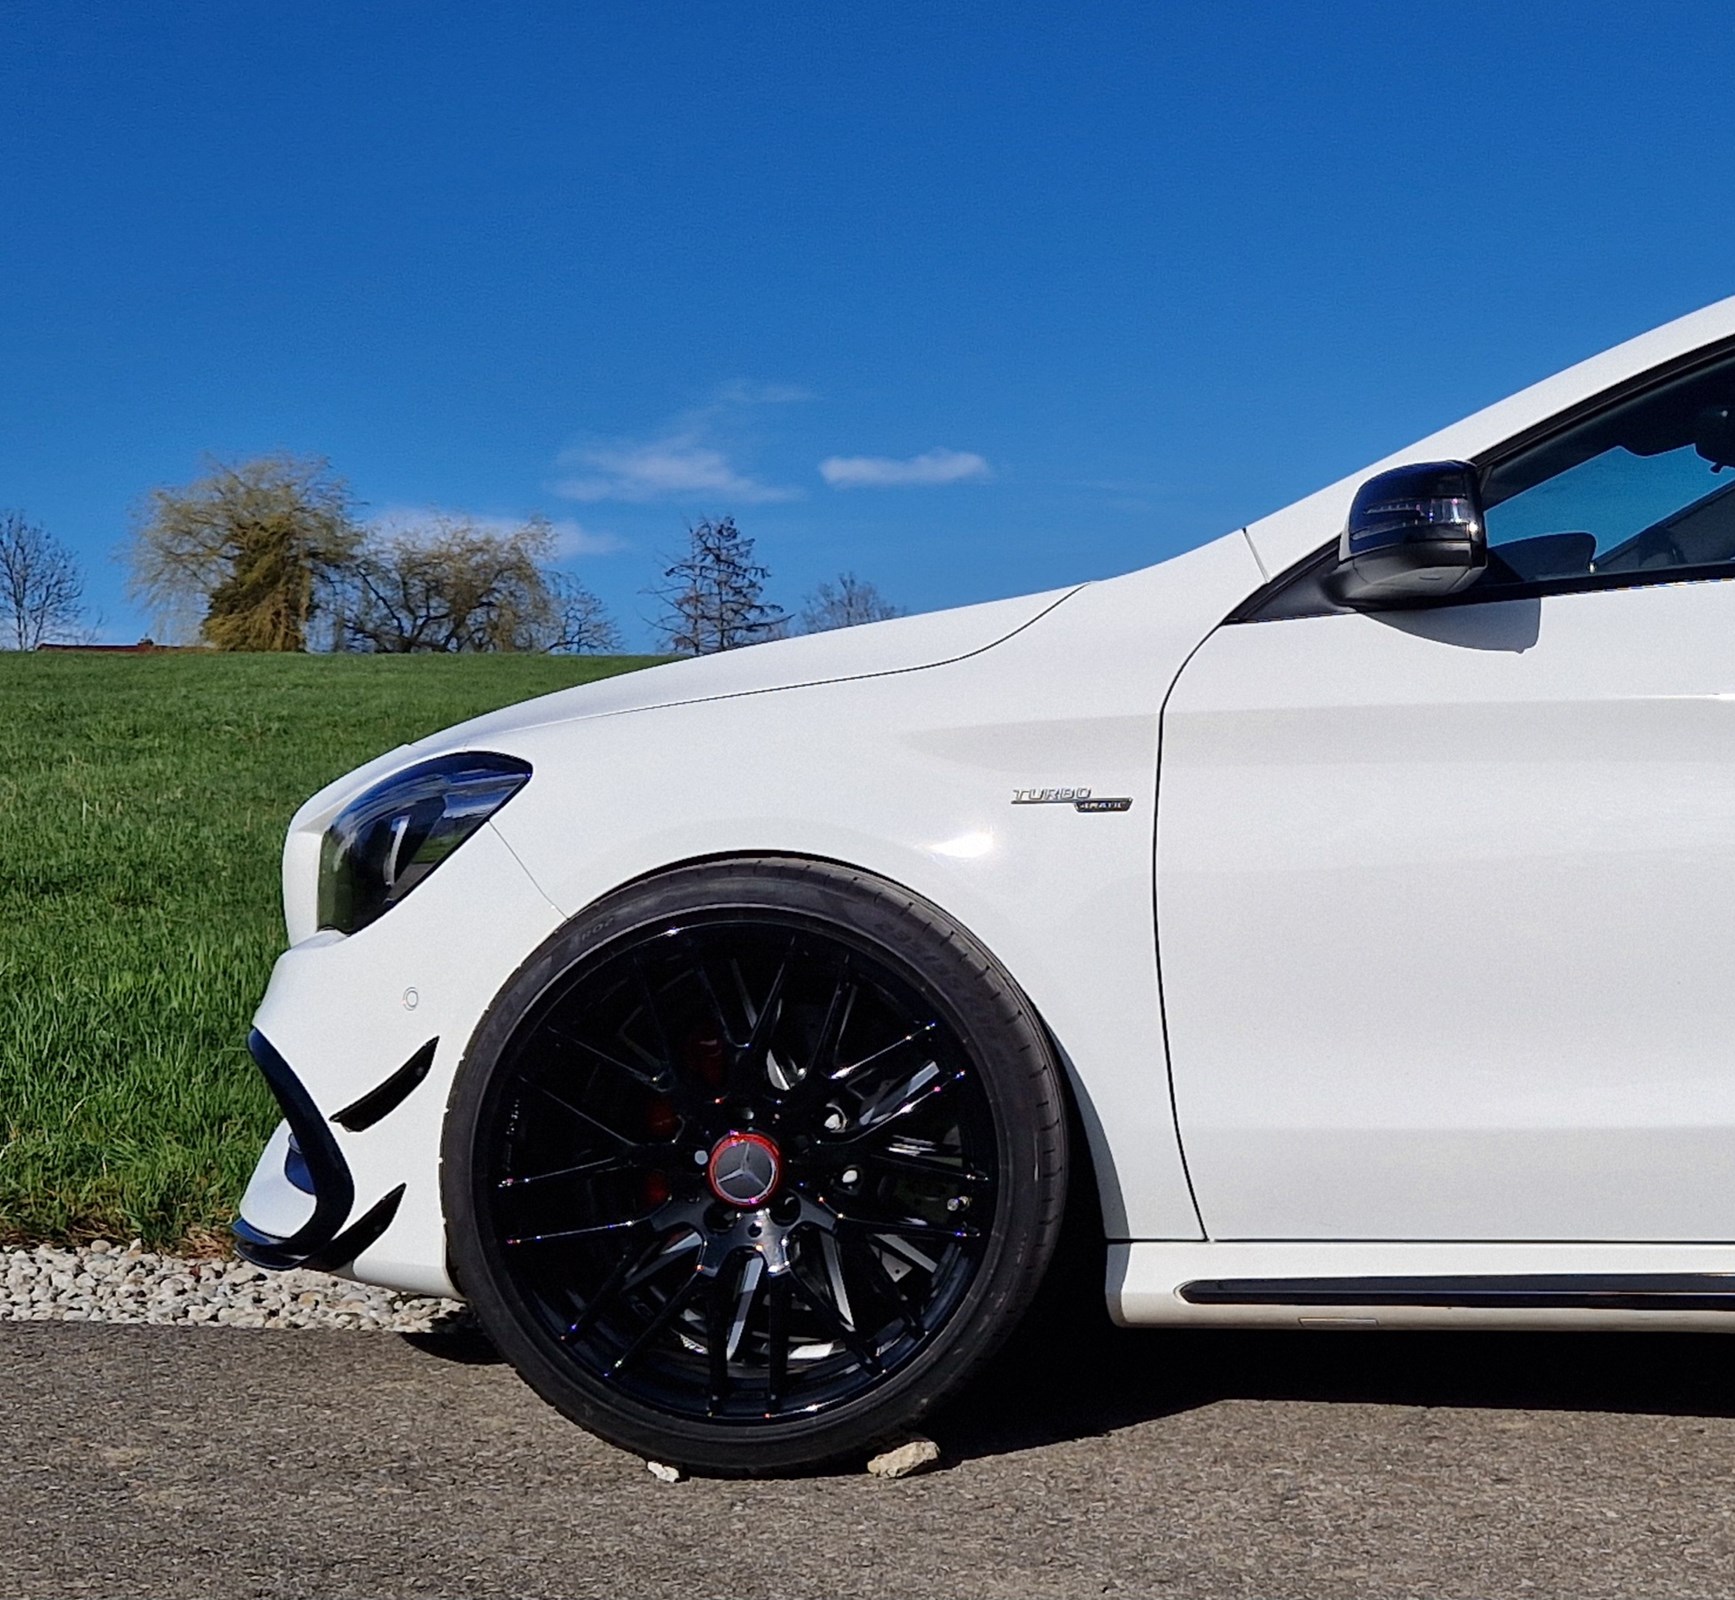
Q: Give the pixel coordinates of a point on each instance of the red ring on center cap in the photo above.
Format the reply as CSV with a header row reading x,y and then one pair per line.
x,y
744,1169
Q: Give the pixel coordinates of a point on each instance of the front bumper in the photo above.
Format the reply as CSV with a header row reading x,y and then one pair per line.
x,y
359,1037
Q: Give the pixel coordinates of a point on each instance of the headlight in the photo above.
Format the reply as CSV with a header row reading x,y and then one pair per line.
x,y
389,838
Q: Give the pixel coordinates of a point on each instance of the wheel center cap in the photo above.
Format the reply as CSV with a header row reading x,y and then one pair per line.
x,y
744,1169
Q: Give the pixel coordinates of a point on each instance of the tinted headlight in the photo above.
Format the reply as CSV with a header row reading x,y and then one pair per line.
x,y
389,838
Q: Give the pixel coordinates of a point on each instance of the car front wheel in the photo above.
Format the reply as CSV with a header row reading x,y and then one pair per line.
x,y
754,1162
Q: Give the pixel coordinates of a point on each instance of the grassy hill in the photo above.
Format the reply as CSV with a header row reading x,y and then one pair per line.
x,y
142,806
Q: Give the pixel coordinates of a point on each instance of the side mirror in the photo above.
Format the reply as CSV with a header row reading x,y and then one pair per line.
x,y
1414,534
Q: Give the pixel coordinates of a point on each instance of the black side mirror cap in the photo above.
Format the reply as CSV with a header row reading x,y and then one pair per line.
x,y
1414,534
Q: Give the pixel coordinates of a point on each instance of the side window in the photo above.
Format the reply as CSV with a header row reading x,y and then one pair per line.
x,y
1637,492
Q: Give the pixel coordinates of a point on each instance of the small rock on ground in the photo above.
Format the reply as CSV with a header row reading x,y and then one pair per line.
x,y
905,1459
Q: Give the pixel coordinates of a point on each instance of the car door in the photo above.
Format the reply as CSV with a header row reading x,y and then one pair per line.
x,y
1446,897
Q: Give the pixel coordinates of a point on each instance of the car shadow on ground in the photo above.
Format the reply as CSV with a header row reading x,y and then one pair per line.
x,y
1093,1380
459,1341
1076,1376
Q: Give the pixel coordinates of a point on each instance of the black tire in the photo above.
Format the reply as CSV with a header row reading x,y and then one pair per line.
x,y
708,1211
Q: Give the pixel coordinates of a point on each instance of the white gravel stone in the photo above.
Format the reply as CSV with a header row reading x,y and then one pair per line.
x,y
102,1283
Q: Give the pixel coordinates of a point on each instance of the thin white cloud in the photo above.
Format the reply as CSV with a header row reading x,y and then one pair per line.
x,y
888,472
665,468
571,538
689,456
749,392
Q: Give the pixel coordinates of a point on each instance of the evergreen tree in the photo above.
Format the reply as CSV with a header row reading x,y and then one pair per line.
x,y
714,597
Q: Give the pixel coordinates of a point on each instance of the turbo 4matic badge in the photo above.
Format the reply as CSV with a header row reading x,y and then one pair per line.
x,y
1078,799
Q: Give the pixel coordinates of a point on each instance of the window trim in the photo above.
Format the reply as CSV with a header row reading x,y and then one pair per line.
x,y
1262,605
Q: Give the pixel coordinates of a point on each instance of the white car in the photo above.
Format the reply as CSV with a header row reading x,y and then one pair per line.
x,y
1346,908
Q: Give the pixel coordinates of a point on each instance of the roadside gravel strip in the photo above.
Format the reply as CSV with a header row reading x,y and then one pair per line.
x,y
102,1282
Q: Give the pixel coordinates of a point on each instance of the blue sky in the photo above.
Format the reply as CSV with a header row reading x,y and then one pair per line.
x,y
970,299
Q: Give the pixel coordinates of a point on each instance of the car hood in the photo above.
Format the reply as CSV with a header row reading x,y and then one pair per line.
x,y
905,644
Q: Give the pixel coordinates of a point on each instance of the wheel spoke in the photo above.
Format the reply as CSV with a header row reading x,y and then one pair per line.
x,y
717,1310
635,1159
777,1340
679,1245
907,1103
657,1084
702,977
669,1310
834,1277
911,1227
762,1021
751,1274
845,1074
583,1116
619,1279
862,1250
837,1015
592,1231
835,1325
896,1093
816,1078
938,1168
653,1009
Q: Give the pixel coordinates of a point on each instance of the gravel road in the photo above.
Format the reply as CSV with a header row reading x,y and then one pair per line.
x,y
158,1461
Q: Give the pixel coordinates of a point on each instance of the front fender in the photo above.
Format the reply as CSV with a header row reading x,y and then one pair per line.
x,y
912,777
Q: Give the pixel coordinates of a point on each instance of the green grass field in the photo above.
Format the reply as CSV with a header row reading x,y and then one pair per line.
x,y
142,806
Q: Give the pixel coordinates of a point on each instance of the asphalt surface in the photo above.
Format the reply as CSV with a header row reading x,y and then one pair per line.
x,y
146,1461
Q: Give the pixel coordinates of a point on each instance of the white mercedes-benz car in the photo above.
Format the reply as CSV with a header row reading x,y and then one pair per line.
x,y
1344,909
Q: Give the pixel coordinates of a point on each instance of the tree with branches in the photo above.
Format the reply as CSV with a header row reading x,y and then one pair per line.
x,y
453,585
713,597
255,550
846,603
41,586
579,621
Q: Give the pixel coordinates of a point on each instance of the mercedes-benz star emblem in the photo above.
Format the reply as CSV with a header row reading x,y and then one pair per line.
x,y
744,1169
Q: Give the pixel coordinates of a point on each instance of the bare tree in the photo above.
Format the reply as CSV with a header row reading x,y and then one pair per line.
x,y
581,623
41,587
844,604
714,596
452,584
255,551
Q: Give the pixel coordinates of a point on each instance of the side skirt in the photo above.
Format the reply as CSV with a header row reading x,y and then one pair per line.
x,y
1680,1291
1365,1284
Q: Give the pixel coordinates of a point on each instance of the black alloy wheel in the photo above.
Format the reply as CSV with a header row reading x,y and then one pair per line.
x,y
752,1163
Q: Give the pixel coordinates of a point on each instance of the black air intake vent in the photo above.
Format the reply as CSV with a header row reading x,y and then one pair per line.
x,y
381,1102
